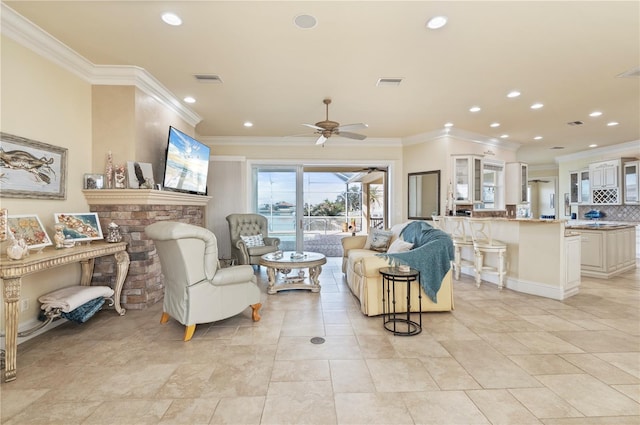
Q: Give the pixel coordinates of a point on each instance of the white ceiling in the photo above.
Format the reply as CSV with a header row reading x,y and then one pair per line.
x,y
567,55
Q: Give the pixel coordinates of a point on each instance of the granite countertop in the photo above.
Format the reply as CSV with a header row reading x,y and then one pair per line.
x,y
599,226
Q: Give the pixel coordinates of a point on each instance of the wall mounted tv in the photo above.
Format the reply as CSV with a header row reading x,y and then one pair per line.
x,y
186,164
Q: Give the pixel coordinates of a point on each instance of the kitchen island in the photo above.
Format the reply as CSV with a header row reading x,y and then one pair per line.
x,y
608,249
543,257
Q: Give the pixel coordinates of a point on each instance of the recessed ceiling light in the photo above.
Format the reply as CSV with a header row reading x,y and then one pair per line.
x,y
593,145
171,19
504,136
189,99
436,22
595,114
248,124
494,124
513,93
612,123
474,109
537,105
537,138
305,22
448,125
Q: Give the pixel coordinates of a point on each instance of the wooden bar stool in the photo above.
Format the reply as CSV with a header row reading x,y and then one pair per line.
x,y
483,244
455,227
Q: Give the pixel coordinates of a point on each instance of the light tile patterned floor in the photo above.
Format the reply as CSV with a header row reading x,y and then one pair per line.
x,y
500,358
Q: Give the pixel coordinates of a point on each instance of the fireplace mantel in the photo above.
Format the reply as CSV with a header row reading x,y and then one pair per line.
x,y
142,197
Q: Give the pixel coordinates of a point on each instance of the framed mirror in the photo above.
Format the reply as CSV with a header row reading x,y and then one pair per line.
x,y
424,194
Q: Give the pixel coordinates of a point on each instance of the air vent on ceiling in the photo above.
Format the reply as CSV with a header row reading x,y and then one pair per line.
x,y
632,73
208,78
556,147
388,82
574,123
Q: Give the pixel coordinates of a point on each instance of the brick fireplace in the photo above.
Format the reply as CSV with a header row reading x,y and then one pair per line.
x,y
133,210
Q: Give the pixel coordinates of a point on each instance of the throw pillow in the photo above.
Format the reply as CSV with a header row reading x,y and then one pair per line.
x,y
399,245
378,240
253,240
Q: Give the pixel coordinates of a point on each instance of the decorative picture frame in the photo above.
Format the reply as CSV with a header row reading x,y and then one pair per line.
x,y
30,228
567,205
4,226
44,177
93,181
80,227
140,175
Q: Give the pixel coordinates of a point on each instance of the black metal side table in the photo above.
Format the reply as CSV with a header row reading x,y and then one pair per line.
x,y
391,320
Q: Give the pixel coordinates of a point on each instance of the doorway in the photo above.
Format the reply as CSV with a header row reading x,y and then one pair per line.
x,y
542,193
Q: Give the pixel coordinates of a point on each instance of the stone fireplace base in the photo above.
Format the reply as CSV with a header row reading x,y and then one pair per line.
x,y
133,210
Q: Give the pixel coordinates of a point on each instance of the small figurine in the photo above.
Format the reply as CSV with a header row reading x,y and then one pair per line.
x,y
113,233
17,248
59,236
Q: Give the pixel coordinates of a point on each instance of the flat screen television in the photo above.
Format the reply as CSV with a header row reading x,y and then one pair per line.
x,y
186,164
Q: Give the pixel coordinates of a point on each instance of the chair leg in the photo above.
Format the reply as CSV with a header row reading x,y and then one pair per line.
x,y
164,318
457,260
255,315
479,261
188,332
501,270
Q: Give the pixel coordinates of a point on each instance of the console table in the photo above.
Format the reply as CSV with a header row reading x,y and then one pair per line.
x,y
12,271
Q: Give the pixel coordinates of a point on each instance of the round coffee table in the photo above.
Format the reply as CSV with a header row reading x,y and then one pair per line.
x,y
284,262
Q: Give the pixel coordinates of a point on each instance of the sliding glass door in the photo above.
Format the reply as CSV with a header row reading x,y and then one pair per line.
x,y
313,208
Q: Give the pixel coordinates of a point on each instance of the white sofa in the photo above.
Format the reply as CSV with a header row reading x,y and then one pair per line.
x,y
362,270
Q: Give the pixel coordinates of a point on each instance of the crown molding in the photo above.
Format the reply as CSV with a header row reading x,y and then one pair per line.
x,y
603,152
463,135
297,141
26,33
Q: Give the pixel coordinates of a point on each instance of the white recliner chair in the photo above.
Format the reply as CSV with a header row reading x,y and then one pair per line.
x,y
197,290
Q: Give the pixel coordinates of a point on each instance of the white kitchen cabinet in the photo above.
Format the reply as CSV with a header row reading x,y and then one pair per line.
x,y
580,190
517,179
605,182
606,253
478,182
631,182
573,253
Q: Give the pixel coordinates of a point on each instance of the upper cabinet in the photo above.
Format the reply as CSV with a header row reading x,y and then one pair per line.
x,y
478,182
580,192
605,182
631,182
517,178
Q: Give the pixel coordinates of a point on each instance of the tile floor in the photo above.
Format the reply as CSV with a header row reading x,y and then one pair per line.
x,y
500,358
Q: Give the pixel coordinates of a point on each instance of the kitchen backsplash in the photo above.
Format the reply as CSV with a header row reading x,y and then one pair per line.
x,y
612,212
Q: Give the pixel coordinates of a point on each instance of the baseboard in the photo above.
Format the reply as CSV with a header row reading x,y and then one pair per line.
x,y
528,287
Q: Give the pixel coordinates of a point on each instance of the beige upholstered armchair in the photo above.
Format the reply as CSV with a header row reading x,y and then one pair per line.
x,y
196,289
249,237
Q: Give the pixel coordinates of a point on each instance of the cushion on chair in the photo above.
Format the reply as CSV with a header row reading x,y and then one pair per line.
x,y
253,240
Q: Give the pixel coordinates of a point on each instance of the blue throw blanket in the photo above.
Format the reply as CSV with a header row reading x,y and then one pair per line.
x,y
431,255
85,311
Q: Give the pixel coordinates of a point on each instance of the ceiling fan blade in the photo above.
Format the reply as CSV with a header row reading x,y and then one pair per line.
x,y
350,135
321,140
315,127
349,127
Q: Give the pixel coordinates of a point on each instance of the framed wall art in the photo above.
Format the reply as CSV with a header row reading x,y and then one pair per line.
x,y
4,227
80,226
30,228
140,175
93,181
31,169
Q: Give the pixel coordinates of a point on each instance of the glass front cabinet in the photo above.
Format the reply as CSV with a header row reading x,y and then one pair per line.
x,y
478,182
631,180
580,187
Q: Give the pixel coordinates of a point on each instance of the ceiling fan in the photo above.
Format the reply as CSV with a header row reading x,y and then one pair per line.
x,y
328,128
